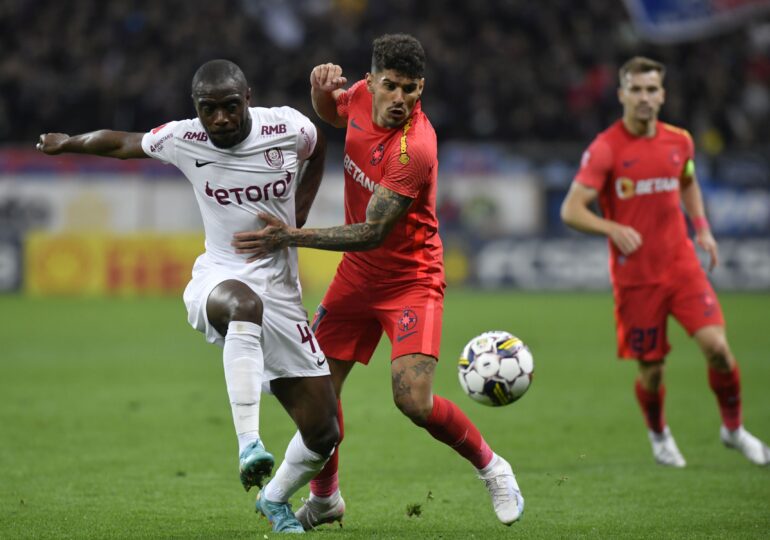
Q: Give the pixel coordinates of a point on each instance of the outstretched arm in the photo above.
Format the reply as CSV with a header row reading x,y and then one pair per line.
x,y
575,212
116,144
385,208
326,82
312,173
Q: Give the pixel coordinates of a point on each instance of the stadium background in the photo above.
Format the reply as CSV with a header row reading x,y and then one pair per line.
x,y
513,113
113,418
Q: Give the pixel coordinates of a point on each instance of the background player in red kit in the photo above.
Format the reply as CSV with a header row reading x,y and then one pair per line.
x,y
641,169
391,277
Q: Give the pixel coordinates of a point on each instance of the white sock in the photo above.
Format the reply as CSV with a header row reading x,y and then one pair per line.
x,y
490,466
244,366
299,466
331,499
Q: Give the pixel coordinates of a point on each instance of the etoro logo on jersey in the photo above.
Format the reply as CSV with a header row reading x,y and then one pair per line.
x,y
242,195
625,188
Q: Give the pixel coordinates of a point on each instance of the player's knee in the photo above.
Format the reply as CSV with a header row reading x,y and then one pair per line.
x,y
324,438
246,308
718,353
417,410
652,376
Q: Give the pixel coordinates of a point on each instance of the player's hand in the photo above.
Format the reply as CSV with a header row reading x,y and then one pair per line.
x,y
627,239
272,237
706,240
327,78
52,143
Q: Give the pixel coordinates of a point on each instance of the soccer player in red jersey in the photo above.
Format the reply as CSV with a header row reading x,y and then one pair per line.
x,y
641,169
391,277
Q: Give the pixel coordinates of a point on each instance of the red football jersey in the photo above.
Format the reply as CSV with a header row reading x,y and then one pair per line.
x,y
638,180
404,160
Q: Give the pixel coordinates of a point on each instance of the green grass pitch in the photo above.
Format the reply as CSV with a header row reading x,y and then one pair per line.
x,y
114,423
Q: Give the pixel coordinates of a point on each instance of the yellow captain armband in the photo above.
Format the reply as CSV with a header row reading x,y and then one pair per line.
x,y
688,173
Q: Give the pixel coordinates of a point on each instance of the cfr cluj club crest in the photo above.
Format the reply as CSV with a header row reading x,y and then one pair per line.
x,y
274,157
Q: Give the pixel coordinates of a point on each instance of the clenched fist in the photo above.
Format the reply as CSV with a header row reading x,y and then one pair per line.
x,y
52,143
327,78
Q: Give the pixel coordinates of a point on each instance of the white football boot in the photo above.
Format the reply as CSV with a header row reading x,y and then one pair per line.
x,y
755,450
665,450
315,512
504,490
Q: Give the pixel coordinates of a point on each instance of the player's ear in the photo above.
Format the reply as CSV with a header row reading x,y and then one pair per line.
x,y
420,87
370,83
248,96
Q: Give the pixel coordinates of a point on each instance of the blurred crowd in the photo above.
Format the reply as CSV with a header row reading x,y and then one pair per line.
x,y
510,70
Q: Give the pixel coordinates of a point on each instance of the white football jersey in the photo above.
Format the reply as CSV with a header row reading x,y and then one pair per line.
x,y
233,184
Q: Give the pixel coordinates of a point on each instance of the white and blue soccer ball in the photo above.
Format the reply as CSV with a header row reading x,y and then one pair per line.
x,y
495,368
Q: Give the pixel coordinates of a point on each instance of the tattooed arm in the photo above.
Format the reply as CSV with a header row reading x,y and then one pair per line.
x,y
385,208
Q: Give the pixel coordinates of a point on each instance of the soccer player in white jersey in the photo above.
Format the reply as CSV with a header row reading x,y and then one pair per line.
x,y
242,161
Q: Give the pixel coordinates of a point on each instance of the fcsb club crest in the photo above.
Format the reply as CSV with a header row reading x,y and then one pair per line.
x,y
274,157
624,187
377,154
407,320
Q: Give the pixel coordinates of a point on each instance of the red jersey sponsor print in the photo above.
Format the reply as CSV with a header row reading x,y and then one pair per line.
x,y
638,180
404,160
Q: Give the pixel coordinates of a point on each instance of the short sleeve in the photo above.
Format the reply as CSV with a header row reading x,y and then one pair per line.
x,y
688,170
307,136
595,165
343,100
159,144
406,173
689,145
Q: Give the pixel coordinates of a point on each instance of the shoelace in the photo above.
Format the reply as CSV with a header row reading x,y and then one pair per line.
x,y
744,440
282,513
314,513
311,515
498,487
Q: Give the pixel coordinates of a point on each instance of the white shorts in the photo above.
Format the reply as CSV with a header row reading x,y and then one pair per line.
x,y
289,346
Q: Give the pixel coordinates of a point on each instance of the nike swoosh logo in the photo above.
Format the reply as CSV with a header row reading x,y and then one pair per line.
x,y
356,126
319,363
403,337
202,163
627,164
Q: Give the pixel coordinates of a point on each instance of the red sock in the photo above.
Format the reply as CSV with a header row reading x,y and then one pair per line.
x,y
652,406
326,482
727,387
448,424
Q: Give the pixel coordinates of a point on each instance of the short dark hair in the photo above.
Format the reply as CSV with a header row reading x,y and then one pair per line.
x,y
640,64
400,52
215,72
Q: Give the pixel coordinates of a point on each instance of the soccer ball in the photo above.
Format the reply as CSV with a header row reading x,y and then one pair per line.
x,y
495,368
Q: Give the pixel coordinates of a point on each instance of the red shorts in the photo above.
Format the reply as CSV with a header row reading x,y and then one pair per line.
x,y
641,313
354,312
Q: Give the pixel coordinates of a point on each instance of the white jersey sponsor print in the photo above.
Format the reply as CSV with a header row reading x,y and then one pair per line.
x,y
232,185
